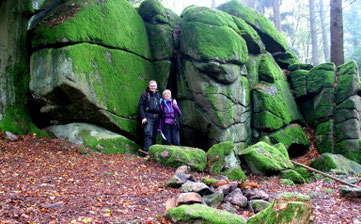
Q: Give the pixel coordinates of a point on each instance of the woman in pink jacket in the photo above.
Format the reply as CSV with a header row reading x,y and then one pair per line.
x,y
169,122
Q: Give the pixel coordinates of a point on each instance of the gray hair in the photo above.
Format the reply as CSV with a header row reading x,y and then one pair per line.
x,y
167,91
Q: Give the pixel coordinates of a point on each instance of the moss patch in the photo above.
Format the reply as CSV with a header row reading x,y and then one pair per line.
x,y
176,156
202,214
298,80
294,176
348,81
321,76
236,174
290,135
217,154
112,23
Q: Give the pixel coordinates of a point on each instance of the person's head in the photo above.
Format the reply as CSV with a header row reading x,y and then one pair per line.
x,y
167,94
152,85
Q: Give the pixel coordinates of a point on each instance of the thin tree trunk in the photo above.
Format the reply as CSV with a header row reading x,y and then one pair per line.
x,y
325,174
336,30
326,47
313,33
213,3
276,14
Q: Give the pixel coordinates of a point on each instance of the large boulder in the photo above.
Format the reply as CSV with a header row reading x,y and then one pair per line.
x,y
198,213
90,83
287,208
211,86
96,22
94,137
265,159
348,83
328,162
176,156
273,40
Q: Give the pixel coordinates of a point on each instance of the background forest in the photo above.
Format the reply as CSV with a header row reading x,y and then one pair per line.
x,y
302,22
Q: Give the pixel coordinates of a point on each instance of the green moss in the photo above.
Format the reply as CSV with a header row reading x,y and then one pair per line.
x,y
348,81
298,209
298,80
253,68
294,176
208,181
202,214
236,174
324,137
324,163
321,76
269,71
267,121
259,22
178,156
112,23
217,154
290,135
262,158
295,67
323,105
305,173
253,40
285,59
287,182
203,42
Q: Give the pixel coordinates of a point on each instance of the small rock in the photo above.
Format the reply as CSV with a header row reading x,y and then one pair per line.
x,y
177,180
259,205
255,193
214,200
54,205
189,198
229,207
226,189
11,137
183,169
198,187
237,198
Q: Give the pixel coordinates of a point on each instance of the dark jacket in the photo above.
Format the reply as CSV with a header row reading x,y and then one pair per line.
x,y
149,103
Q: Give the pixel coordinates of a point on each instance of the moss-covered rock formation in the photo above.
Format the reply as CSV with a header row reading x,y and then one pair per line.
x,y
265,159
14,69
90,83
286,208
223,156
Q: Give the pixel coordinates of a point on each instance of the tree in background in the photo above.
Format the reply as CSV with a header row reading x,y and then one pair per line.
x,y
352,32
313,32
326,47
336,30
276,14
213,3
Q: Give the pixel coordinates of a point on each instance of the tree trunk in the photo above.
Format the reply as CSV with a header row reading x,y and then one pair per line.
x,y
313,33
326,47
336,30
213,3
276,14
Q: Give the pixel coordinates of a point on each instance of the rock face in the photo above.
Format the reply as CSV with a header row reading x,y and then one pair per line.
x,y
100,75
227,67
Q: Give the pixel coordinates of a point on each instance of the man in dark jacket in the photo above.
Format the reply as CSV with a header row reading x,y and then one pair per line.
x,y
149,111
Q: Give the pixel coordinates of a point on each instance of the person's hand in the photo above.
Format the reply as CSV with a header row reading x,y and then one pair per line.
x,y
174,101
144,120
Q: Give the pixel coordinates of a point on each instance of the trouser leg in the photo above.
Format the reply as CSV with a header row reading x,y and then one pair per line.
x,y
175,135
168,133
148,133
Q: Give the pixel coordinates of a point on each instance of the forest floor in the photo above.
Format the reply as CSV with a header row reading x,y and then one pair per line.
x,y
52,181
